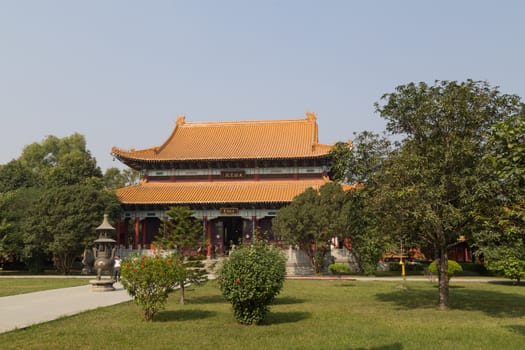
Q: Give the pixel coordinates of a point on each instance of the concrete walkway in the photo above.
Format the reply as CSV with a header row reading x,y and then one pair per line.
x,y
24,310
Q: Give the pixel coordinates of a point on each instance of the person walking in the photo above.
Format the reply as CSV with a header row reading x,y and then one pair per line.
x,y
116,268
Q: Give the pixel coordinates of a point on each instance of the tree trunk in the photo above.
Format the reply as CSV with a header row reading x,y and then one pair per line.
x,y
63,263
442,266
182,293
312,255
319,260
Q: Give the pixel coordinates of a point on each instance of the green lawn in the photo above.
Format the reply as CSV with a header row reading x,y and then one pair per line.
x,y
307,315
12,286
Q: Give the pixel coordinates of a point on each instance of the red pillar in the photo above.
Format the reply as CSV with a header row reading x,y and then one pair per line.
x,y
254,227
125,232
119,232
137,233
144,229
207,229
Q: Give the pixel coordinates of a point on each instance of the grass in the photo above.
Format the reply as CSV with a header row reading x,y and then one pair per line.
x,y
306,315
12,286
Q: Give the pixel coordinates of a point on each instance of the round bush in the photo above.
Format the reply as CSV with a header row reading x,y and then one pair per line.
x,y
453,267
250,279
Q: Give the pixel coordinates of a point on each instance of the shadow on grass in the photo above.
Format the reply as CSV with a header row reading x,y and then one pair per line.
x,y
508,283
216,299
395,346
518,329
288,301
452,287
183,315
409,298
207,299
273,318
492,303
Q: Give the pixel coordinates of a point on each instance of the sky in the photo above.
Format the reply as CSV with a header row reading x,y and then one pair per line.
x,y
120,72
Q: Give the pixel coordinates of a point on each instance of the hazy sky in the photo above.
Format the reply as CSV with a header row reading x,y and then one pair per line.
x,y
119,72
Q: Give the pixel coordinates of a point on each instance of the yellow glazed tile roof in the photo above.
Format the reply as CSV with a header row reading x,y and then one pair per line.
x,y
216,192
296,138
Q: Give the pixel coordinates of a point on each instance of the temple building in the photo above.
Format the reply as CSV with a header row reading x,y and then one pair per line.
x,y
235,176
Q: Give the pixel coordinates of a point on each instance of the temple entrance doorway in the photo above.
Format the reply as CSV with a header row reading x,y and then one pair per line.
x,y
232,227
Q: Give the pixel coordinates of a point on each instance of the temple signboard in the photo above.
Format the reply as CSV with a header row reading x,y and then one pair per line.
x,y
233,174
230,211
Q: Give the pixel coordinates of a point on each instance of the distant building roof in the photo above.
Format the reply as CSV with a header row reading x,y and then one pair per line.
x,y
263,139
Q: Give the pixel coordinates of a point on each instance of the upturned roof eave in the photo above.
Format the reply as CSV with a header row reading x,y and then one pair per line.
x,y
126,159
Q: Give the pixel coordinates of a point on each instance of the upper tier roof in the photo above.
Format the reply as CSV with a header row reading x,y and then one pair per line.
x,y
275,139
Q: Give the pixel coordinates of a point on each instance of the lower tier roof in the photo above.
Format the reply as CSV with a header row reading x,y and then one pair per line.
x,y
275,191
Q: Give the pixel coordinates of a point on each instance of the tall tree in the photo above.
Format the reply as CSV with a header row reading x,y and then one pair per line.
x,y
13,212
358,163
4,246
427,188
115,178
62,223
60,161
312,219
15,175
368,241
54,165
501,237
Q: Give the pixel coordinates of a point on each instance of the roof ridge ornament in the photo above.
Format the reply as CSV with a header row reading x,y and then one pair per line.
x,y
311,116
181,119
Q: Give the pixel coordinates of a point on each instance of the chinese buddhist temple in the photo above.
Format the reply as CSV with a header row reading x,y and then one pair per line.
x,y
235,176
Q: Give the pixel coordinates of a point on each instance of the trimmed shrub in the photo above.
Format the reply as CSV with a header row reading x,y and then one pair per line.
x,y
250,279
149,280
453,268
339,269
510,267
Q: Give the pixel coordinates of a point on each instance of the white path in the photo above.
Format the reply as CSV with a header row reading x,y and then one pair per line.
x,y
23,310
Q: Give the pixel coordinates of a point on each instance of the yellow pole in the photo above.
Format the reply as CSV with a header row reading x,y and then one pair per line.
x,y
401,261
